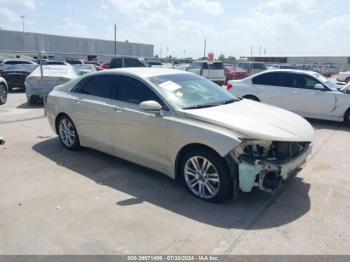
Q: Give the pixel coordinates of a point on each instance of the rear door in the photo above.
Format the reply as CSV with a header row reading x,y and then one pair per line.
x,y
274,88
91,111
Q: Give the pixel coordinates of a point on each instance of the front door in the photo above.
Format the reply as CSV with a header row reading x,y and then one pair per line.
x,y
137,135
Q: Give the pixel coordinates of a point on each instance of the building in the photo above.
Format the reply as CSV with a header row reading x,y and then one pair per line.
x,y
14,43
343,62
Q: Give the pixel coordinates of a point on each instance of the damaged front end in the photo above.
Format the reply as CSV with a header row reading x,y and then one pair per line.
x,y
266,164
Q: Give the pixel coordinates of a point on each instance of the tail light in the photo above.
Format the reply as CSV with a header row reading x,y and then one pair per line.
x,y
229,86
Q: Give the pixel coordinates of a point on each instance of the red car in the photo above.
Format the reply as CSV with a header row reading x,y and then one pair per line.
x,y
235,73
105,66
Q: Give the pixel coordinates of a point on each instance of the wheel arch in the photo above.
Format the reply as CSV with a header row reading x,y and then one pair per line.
x,y
251,97
231,167
59,115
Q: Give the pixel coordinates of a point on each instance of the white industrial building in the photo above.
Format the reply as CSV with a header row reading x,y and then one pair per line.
x,y
17,44
343,62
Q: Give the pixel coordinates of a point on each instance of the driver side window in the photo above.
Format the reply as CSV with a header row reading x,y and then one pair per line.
x,y
131,90
305,82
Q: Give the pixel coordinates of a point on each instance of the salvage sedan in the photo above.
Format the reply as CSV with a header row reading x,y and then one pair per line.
x,y
184,126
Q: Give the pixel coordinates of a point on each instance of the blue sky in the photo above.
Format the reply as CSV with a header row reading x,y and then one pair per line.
x,y
178,27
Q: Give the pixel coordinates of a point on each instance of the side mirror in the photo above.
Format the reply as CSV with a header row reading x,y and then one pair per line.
x,y
150,106
320,87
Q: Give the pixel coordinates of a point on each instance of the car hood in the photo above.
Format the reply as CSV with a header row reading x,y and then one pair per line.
x,y
256,121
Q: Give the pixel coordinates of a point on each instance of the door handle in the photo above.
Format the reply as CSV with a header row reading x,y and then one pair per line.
x,y
77,101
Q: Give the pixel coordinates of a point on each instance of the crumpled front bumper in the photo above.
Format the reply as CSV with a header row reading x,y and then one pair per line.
x,y
255,174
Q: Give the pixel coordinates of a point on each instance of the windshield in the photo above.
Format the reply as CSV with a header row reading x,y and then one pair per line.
x,y
189,91
329,83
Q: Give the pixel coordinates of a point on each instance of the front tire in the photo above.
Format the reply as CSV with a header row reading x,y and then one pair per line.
x,y
3,94
67,133
206,175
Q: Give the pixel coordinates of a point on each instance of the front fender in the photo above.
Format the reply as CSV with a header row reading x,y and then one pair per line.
x,y
184,132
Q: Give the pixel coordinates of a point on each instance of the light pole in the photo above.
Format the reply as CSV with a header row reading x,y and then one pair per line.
x,y
22,18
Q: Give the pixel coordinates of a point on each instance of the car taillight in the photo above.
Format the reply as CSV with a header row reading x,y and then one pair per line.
x,y
229,86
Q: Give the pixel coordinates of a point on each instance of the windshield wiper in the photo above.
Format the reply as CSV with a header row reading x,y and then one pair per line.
x,y
211,105
199,106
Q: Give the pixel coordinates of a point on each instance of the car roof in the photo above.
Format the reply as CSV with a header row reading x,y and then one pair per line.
x,y
206,61
18,60
145,72
295,71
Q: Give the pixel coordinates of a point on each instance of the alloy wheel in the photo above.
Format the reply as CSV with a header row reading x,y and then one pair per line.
x,y
67,132
202,177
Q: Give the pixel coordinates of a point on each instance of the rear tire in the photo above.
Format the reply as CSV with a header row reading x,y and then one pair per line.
x,y
347,117
3,94
206,175
67,133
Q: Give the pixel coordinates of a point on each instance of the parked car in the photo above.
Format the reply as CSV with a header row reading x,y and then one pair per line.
x,y
155,64
3,91
76,62
85,69
10,62
344,77
252,67
127,61
304,92
105,66
184,126
16,74
214,71
53,75
234,73
52,62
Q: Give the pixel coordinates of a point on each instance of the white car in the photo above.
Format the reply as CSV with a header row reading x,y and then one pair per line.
x,y
10,62
53,75
306,93
214,71
184,126
344,77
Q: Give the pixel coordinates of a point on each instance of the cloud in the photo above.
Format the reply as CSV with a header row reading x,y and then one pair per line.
x,y
29,4
70,28
130,7
206,6
287,6
336,25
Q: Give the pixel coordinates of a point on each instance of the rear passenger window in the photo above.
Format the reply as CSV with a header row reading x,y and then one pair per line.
x,y
131,90
214,66
275,79
99,85
259,66
129,62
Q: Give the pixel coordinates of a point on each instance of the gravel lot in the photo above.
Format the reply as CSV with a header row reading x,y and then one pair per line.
x,y
53,201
